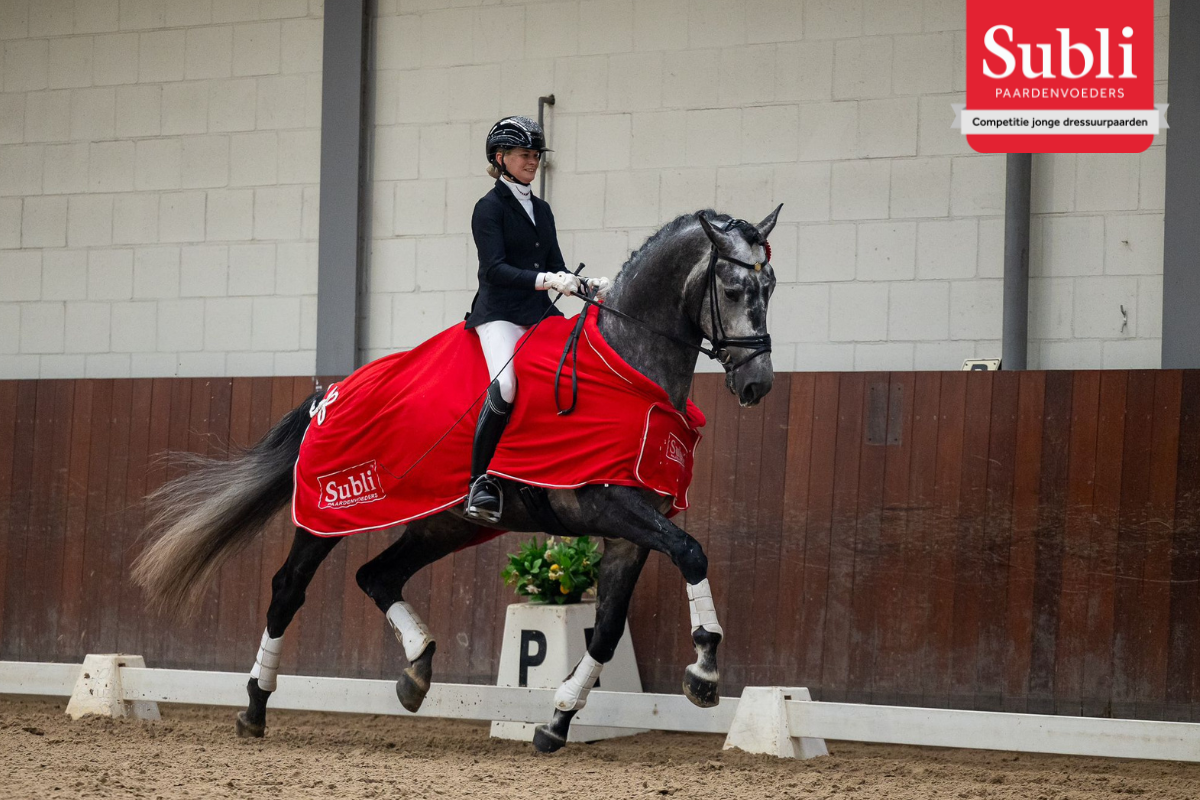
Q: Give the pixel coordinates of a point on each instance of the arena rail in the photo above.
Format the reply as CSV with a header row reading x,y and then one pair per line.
x,y
775,720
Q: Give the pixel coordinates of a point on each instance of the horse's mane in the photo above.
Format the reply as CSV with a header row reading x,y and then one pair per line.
x,y
638,256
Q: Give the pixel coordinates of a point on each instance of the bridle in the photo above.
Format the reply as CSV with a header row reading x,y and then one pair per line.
x,y
758,344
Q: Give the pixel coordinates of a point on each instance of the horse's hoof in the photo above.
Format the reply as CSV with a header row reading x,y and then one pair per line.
x,y
546,740
411,689
701,691
247,729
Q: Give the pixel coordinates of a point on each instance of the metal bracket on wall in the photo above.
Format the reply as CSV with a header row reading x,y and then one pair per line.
x,y
545,100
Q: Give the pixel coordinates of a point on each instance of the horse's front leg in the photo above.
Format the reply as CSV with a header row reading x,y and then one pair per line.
x,y
626,512
619,570
636,520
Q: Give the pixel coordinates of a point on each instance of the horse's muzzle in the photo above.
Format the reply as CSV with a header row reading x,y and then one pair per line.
x,y
751,393
752,381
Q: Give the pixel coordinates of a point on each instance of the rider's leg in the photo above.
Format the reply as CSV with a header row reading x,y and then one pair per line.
x,y
499,340
383,579
287,595
619,570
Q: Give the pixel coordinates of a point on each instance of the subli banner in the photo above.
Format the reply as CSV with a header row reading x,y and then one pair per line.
x,y
1060,76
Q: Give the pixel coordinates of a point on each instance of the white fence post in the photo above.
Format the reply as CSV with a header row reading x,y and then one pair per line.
x,y
99,690
761,724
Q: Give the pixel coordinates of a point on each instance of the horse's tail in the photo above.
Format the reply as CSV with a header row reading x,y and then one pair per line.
x,y
199,520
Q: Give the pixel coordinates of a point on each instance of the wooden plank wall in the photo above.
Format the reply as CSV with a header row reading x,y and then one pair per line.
x,y
1016,541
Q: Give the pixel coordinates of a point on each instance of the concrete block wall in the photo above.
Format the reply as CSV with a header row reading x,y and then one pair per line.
x,y
890,248
159,166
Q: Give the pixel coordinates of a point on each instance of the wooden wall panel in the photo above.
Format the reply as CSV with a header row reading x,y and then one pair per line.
x,y
1018,541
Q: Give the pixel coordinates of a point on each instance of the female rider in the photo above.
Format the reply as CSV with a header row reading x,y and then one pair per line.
x,y
519,262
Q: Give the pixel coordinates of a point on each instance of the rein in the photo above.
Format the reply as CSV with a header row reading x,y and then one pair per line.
x,y
758,344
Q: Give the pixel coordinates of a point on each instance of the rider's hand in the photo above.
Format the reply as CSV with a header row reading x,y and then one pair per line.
x,y
598,286
562,282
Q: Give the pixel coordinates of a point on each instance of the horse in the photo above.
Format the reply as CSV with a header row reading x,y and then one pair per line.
x,y
701,276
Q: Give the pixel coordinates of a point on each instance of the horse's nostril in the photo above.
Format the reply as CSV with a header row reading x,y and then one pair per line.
x,y
751,392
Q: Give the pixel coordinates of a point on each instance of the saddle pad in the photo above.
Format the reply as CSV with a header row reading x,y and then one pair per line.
x,y
383,448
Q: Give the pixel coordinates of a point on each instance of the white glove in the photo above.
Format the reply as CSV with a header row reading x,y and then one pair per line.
x,y
598,286
561,282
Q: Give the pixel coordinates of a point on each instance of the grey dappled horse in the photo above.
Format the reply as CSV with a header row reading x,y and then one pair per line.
x,y
702,276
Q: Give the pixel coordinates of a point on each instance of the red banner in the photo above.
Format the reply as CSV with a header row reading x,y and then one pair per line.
x,y
1060,76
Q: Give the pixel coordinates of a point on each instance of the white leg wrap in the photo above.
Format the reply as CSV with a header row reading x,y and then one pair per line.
x,y
410,630
701,608
572,695
266,664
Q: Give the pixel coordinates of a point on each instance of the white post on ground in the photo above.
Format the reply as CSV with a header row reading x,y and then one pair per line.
x,y
542,644
98,689
761,724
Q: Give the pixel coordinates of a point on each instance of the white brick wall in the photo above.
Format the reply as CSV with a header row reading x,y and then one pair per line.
x,y
889,251
159,163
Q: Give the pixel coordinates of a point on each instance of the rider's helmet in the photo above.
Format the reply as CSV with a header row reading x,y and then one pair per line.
x,y
515,132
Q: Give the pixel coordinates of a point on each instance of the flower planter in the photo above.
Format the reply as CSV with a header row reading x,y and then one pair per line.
x,y
542,644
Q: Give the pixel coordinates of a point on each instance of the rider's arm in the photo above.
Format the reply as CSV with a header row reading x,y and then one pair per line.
x,y
489,241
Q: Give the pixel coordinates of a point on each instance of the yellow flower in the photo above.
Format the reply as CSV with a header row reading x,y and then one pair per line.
x,y
563,589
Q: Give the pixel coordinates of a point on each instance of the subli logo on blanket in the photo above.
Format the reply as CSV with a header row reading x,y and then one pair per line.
x,y
675,450
349,487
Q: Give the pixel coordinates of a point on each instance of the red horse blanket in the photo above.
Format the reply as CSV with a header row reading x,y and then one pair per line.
x,y
361,465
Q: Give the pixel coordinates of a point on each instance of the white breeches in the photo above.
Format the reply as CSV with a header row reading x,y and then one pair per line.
x,y
499,339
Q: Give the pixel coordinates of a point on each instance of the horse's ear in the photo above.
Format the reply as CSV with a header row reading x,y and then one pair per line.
x,y
724,240
767,225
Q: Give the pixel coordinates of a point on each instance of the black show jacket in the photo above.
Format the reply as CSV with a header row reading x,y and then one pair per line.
x,y
512,251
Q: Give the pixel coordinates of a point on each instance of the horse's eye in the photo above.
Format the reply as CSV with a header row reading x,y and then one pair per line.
x,y
734,294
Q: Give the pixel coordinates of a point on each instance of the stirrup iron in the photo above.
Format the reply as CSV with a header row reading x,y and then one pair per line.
x,y
484,489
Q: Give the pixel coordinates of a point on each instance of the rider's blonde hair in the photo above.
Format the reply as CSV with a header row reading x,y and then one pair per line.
x,y
493,169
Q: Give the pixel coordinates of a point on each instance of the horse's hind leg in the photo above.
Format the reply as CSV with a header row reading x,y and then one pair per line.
x,y
287,595
383,579
619,570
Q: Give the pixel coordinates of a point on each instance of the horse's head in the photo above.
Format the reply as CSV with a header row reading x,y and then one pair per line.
x,y
733,315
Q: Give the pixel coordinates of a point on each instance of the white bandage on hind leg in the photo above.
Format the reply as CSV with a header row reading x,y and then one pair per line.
x,y
701,608
410,630
266,663
572,695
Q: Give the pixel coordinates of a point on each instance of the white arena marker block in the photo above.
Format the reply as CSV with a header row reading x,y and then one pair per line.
x,y
99,691
761,724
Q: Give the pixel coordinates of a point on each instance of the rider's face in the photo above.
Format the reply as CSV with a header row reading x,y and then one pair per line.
x,y
522,163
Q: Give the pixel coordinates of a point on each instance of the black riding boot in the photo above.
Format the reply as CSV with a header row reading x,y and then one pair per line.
x,y
484,502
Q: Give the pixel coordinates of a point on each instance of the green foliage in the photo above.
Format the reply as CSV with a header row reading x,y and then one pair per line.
x,y
554,571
